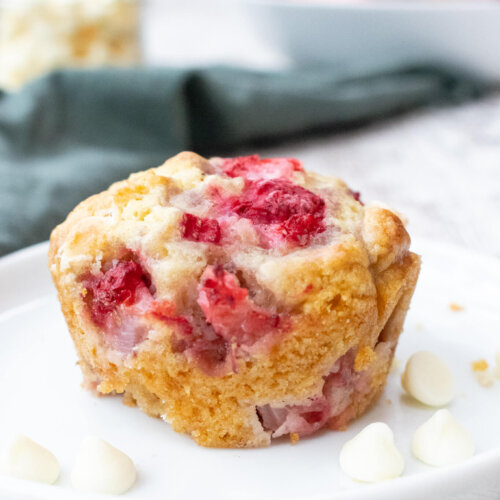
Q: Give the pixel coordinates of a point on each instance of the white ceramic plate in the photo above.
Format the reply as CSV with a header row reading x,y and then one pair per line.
x,y
41,396
378,34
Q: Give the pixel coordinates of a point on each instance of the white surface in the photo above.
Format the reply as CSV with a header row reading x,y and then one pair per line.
x,y
357,34
202,32
384,33
42,398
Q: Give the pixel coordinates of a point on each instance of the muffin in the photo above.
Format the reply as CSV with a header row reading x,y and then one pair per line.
x,y
37,37
239,299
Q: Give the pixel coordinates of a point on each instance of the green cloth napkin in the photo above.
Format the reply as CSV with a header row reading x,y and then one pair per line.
x,y
72,133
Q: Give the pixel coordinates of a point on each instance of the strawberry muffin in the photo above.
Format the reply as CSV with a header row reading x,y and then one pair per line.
x,y
238,299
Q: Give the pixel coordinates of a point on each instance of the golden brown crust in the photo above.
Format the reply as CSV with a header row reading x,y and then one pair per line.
x,y
352,292
408,272
385,236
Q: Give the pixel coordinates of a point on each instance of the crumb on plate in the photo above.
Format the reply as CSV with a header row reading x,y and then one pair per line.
x,y
484,378
481,365
483,374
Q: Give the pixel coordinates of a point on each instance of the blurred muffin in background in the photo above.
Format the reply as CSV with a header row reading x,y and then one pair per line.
x,y
37,36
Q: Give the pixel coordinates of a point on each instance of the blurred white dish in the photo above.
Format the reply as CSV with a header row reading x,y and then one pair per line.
x,y
380,34
41,397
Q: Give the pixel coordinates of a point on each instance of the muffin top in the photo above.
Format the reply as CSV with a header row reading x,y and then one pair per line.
x,y
226,251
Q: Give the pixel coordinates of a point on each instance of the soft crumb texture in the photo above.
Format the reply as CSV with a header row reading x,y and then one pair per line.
x,y
372,456
441,441
102,468
427,378
364,358
239,299
77,33
23,458
456,307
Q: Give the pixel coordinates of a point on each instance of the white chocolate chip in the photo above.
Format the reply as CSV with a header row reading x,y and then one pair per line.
x,y
101,468
372,456
25,459
428,379
441,440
